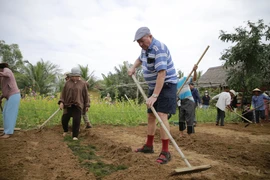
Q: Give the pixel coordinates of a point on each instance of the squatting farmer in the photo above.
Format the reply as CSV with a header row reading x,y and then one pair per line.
x,y
160,75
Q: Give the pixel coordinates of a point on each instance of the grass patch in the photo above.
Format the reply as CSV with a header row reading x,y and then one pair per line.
x,y
100,169
89,160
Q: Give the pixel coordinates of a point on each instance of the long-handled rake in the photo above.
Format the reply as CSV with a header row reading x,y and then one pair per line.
x,y
249,122
242,116
189,169
179,90
45,122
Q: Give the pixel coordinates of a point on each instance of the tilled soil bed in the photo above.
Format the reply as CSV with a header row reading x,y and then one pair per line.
x,y
233,151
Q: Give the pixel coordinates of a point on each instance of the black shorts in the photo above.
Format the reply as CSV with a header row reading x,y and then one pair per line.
x,y
166,101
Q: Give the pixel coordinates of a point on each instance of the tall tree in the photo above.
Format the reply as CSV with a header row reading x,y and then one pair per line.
x,y
180,74
199,75
119,84
42,77
59,82
247,60
88,76
12,55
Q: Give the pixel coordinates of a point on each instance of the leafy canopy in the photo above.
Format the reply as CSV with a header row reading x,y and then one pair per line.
x,y
248,59
12,55
119,84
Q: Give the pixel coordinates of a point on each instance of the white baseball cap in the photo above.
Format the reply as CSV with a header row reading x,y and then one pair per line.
x,y
233,92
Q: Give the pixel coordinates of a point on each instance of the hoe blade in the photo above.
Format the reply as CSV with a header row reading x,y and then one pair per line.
x,y
189,170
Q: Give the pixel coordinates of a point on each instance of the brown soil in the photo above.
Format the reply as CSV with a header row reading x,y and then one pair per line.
x,y
233,151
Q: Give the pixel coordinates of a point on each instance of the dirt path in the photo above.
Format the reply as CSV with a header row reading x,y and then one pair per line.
x,y
233,151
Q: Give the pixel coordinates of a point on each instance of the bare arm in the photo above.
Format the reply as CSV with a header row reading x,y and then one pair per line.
x,y
194,78
132,70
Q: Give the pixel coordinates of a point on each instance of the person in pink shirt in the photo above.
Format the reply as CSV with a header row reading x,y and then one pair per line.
x,y
11,93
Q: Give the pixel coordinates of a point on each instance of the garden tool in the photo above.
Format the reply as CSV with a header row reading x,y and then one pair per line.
x,y
250,122
15,129
179,90
41,126
249,111
189,169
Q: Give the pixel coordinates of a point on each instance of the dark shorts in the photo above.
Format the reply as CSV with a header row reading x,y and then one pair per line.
x,y
166,101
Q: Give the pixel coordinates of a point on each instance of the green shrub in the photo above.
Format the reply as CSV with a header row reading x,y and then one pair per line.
x,y
36,110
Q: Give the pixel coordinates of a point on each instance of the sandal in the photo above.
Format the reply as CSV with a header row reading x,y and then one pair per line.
x,y
145,149
164,157
5,136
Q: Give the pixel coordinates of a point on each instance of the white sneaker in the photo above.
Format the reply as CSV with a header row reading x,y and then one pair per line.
x,y
75,139
64,134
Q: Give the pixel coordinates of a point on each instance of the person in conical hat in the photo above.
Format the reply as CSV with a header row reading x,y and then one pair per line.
x,y
256,90
258,104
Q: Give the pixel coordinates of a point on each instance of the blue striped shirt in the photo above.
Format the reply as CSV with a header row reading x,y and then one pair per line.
x,y
185,91
155,59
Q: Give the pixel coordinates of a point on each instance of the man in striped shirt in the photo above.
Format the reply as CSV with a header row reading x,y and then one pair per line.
x,y
160,75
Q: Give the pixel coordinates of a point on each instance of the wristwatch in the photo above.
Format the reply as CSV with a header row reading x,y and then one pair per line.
x,y
154,95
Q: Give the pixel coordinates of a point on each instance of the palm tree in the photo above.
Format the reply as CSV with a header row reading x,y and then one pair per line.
x,y
120,84
180,74
41,77
199,75
88,77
